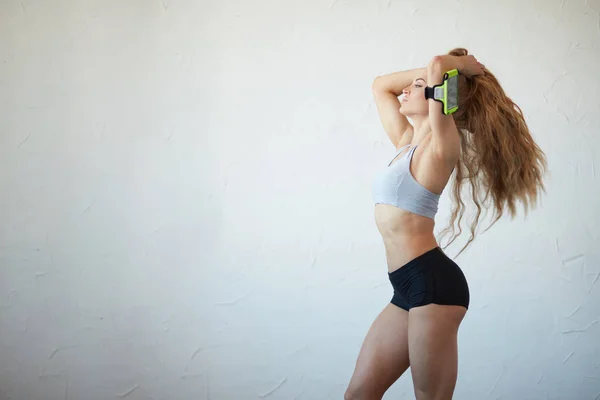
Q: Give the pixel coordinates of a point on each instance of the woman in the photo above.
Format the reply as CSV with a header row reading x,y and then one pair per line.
x,y
486,142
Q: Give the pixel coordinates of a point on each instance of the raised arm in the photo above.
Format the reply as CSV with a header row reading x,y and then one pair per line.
x,y
445,141
386,89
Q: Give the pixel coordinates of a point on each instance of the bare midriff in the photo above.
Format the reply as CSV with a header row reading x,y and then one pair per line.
x,y
405,235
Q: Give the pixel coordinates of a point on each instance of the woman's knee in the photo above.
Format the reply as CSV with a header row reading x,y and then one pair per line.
x,y
444,395
352,393
362,392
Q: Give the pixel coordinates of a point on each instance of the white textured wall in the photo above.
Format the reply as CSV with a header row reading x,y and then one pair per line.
x,y
186,210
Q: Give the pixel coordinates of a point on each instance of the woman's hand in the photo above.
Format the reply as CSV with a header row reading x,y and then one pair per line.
x,y
469,66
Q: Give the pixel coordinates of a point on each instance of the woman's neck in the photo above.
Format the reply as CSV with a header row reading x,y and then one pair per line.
x,y
421,129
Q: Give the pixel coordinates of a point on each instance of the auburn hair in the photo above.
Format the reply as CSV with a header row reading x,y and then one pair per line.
x,y
500,160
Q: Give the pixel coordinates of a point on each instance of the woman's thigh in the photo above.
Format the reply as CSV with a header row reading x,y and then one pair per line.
x,y
433,350
383,357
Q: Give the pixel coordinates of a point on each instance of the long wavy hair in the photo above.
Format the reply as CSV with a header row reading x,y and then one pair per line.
x,y
500,160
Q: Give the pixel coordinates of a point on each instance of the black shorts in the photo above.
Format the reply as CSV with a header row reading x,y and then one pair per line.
x,y
431,278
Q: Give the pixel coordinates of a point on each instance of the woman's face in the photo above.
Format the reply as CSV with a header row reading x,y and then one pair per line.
x,y
413,100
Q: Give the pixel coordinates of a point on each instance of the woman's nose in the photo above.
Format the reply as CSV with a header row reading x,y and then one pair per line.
x,y
405,92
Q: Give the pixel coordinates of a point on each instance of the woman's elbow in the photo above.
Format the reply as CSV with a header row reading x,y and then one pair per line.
x,y
378,85
436,63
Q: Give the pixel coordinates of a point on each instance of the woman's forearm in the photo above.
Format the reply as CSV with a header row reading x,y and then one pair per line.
x,y
397,81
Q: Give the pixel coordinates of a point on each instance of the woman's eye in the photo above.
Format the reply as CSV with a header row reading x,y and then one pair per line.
x,y
417,85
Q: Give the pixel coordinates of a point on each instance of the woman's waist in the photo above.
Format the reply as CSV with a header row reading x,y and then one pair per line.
x,y
400,249
398,224
404,245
